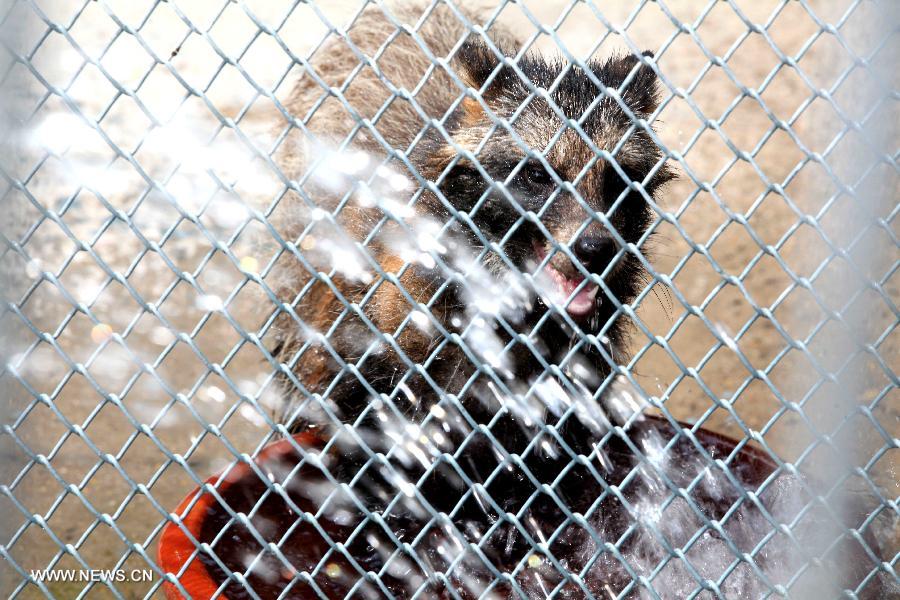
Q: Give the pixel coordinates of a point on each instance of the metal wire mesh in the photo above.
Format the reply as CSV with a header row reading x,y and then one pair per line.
x,y
143,187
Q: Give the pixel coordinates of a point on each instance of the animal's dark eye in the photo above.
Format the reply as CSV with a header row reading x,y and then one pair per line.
x,y
614,184
536,173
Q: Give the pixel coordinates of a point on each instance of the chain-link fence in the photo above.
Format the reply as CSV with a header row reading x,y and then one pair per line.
x,y
619,323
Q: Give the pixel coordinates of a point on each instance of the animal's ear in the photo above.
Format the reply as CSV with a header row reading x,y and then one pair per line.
x,y
475,62
641,94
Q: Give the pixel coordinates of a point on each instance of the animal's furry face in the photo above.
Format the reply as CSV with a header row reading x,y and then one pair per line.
x,y
534,216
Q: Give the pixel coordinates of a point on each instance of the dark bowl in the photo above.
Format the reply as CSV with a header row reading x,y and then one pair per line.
x,y
331,543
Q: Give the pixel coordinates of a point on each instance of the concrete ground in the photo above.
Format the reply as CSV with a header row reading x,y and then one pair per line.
x,y
106,430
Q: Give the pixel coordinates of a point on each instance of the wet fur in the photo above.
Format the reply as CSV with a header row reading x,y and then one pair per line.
x,y
333,369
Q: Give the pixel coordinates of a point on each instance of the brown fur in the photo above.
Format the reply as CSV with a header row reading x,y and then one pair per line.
x,y
352,313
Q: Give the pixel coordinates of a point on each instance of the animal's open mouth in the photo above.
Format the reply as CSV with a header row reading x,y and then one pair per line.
x,y
560,288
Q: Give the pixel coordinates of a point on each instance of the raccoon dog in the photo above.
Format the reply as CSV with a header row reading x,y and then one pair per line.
x,y
489,170
455,252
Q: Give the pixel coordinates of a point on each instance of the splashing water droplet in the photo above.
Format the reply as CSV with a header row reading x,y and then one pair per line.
x,y
333,570
101,332
250,264
33,268
215,394
421,320
161,336
726,337
252,415
407,488
210,303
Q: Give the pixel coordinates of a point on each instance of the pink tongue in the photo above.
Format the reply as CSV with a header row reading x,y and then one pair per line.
x,y
583,302
567,286
585,294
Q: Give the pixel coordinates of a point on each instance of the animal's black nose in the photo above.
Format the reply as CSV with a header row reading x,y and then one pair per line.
x,y
595,251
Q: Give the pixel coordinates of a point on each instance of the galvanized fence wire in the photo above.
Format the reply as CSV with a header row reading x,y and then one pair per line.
x,y
38,333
